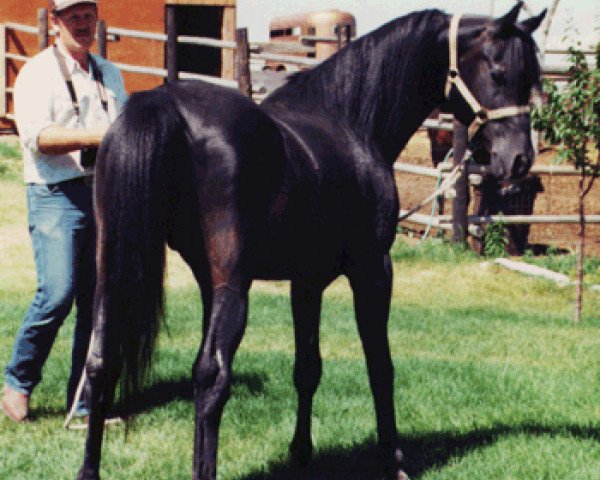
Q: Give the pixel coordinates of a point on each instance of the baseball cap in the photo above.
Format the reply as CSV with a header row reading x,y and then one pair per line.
x,y
58,5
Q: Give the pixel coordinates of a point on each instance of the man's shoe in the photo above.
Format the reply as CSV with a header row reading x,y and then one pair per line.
x,y
15,404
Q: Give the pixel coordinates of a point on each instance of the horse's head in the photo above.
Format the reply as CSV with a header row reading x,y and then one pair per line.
x,y
493,71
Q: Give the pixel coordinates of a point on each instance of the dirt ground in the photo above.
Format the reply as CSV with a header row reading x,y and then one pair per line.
x,y
559,196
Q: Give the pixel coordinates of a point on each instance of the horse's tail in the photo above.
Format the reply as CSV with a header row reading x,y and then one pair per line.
x,y
136,172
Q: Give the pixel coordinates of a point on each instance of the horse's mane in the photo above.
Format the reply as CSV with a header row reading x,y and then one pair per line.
x,y
367,75
369,84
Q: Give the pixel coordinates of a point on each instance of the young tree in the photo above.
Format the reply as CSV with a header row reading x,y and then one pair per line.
x,y
570,119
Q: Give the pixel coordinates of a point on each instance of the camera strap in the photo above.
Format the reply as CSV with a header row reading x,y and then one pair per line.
x,y
96,72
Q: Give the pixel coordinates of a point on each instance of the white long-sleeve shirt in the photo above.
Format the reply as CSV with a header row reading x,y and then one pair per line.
x,y
41,99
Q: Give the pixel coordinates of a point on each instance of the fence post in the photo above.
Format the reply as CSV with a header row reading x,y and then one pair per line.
x,y
42,29
102,43
3,78
343,35
171,46
460,203
347,34
243,61
228,34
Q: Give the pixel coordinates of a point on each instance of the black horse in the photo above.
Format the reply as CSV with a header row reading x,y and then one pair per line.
x,y
300,188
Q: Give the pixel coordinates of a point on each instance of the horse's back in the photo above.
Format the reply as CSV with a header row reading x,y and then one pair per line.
x,y
214,111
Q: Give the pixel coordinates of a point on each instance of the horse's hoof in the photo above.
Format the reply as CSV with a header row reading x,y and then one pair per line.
x,y
301,453
392,461
87,475
402,475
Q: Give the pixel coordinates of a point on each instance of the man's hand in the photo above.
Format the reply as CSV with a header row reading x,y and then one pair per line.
x,y
55,140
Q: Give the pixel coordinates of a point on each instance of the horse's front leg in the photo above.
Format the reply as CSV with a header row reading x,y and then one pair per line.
x,y
306,309
212,374
102,374
371,282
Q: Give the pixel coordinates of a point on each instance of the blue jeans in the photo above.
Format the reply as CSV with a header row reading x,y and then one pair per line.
x,y
61,225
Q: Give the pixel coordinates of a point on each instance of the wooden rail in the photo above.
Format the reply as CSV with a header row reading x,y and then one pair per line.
x,y
444,222
282,47
294,59
435,172
21,28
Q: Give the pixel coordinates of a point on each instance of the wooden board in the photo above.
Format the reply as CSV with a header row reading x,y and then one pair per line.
x,y
215,3
3,79
228,33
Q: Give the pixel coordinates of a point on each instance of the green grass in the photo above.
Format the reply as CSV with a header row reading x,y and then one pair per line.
x,y
10,160
566,263
9,151
493,381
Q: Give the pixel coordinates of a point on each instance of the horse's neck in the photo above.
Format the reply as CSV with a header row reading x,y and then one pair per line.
x,y
382,86
412,93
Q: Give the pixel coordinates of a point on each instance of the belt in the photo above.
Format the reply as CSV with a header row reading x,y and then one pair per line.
x,y
87,180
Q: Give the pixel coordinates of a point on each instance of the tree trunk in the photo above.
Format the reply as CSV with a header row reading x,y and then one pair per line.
x,y
581,249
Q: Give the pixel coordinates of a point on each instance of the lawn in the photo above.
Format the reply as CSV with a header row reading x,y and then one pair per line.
x,y
493,381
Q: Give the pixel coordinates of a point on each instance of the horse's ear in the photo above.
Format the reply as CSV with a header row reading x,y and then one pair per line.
x,y
507,22
531,24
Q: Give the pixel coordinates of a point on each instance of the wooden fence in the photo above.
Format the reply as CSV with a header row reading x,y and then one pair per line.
x,y
476,172
243,50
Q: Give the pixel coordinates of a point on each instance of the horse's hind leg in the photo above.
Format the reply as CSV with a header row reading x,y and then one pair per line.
x,y
371,282
223,330
212,375
306,309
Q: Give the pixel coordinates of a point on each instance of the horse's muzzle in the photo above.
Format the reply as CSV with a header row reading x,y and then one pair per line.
x,y
520,167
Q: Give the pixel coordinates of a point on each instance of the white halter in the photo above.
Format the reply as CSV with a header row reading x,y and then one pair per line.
x,y
482,114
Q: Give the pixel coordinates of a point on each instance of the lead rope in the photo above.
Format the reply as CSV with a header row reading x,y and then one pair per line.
x,y
67,425
78,393
435,202
444,187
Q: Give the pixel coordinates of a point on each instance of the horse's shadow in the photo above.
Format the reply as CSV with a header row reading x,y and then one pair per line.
x,y
163,392
422,453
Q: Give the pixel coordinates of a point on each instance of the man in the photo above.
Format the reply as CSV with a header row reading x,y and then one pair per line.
x,y
65,99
